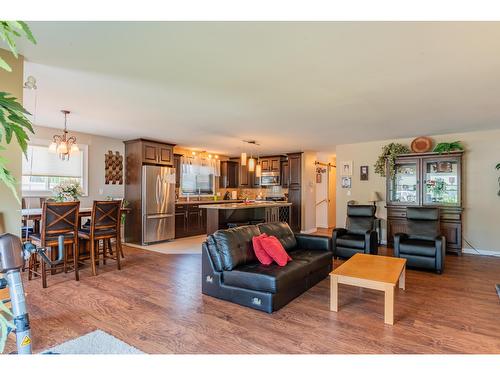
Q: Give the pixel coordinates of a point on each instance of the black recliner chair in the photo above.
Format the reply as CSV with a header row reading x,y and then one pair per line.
x,y
423,246
360,235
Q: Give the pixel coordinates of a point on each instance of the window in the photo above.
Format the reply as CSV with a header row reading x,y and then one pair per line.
x,y
43,170
202,183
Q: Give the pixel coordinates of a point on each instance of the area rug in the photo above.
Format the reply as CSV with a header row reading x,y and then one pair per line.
x,y
97,342
188,245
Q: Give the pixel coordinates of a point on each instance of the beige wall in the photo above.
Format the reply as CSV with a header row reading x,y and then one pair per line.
x,y
481,202
11,82
97,148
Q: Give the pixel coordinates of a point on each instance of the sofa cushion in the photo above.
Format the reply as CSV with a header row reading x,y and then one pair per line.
x,y
316,259
282,232
235,246
418,247
275,250
259,250
266,278
355,241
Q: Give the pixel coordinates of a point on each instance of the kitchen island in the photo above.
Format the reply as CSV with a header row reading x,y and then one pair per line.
x,y
225,215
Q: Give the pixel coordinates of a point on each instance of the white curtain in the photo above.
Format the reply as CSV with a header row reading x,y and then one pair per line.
x,y
200,166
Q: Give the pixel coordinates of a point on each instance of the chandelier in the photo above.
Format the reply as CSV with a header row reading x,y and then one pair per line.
x,y
63,145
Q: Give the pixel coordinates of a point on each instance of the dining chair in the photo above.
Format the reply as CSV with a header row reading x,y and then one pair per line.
x,y
104,226
58,219
30,226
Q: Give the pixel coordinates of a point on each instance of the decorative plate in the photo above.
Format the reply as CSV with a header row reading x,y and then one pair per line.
x,y
421,144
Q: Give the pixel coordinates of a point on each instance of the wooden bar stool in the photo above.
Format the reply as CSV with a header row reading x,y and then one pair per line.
x,y
58,218
104,226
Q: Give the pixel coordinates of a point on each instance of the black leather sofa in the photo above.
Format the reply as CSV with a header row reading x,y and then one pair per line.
x,y
422,246
231,271
360,235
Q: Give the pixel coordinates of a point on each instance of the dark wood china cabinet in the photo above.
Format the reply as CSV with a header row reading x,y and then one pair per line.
x,y
427,180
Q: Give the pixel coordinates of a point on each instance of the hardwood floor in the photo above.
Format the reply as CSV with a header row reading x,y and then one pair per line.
x,y
155,304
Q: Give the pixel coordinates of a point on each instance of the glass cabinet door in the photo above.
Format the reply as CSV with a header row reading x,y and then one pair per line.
x,y
441,182
403,188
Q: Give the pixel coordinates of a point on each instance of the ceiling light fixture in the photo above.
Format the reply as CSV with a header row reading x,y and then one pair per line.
x,y
244,160
63,145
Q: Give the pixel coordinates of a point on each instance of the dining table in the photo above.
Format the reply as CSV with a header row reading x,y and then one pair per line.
x,y
35,214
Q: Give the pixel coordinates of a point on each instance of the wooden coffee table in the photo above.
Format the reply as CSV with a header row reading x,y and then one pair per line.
x,y
372,272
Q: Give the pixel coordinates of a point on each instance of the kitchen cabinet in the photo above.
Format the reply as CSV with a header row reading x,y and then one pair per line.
x,y
427,180
295,170
295,190
190,220
285,174
275,164
154,152
177,166
246,179
229,174
271,164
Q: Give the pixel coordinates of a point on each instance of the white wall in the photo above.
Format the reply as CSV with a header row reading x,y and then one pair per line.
x,y
97,148
481,202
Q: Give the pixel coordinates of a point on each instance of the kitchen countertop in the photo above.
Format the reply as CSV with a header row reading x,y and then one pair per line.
x,y
210,202
242,206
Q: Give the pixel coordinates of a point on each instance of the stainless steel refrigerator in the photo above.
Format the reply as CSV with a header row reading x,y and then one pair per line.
x,y
158,204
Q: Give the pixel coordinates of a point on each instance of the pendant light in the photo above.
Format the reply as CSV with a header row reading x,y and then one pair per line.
x,y
251,164
258,169
243,158
63,145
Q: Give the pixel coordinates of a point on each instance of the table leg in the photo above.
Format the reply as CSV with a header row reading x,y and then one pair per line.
x,y
402,279
389,305
334,294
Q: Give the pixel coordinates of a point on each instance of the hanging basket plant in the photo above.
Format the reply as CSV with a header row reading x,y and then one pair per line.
x,y
498,169
389,152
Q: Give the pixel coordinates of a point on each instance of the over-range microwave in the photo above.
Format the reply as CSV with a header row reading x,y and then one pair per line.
x,y
270,179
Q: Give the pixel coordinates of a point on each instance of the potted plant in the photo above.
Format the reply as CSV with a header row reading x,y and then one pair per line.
x,y
498,168
68,192
445,147
389,153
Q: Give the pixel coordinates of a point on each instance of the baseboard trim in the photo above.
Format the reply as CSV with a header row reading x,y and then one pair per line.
x,y
309,231
481,252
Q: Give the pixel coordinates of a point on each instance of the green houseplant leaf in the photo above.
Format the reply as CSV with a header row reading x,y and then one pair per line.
x,y
13,120
445,147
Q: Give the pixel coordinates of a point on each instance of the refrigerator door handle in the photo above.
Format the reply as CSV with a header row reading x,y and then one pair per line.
x,y
157,192
159,216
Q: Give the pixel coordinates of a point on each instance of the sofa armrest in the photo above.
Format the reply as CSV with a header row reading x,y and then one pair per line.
x,y
337,232
371,242
440,252
313,242
398,237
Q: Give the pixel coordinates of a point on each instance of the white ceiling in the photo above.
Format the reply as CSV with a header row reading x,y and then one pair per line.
x,y
289,85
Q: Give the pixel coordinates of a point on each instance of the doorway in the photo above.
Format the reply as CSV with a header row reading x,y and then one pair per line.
x,y
325,191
